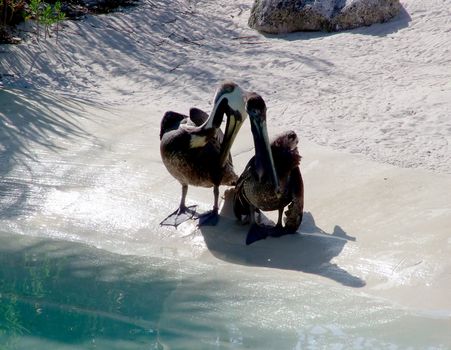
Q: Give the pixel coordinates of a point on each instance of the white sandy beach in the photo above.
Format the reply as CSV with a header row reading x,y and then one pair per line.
x,y
370,266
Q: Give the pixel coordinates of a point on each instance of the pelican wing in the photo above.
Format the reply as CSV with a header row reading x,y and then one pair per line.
x,y
171,121
197,116
295,209
241,205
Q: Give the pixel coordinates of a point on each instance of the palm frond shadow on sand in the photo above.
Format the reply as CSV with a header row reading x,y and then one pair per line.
x,y
310,250
26,127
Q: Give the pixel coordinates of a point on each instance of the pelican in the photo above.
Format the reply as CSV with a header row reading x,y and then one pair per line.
x,y
271,180
196,152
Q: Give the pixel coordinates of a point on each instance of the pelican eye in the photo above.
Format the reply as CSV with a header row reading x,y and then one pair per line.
x,y
228,88
253,111
225,89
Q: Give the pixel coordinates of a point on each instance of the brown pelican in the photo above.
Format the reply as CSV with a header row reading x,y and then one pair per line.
x,y
197,153
272,179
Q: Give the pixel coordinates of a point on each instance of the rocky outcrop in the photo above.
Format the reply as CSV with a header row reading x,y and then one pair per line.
x,y
282,16
358,13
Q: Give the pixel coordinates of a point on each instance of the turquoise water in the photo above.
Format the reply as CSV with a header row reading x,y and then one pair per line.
x,y
68,296
62,295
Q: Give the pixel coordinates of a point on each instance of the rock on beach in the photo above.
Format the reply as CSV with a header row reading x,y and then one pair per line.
x,y
283,16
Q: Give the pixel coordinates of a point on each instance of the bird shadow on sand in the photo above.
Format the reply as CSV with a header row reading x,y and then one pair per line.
x,y
311,250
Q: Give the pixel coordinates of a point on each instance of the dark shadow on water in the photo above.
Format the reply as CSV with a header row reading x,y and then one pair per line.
x,y
65,295
62,293
311,251
397,23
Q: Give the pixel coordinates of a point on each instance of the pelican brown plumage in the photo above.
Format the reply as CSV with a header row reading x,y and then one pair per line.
x,y
196,152
272,179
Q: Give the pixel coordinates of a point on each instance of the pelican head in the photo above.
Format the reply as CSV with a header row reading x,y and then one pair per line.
x,y
230,100
264,163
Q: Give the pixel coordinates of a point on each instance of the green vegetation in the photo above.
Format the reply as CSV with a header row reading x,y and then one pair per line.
x,y
44,14
48,14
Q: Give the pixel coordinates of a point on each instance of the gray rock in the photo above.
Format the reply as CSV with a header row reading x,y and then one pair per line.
x,y
358,13
282,16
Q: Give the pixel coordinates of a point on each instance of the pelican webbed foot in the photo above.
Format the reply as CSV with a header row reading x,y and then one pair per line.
x,y
179,216
257,232
209,218
279,231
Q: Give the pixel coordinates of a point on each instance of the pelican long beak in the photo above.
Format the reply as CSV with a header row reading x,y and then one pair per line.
x,y
235,120
263,154
235,109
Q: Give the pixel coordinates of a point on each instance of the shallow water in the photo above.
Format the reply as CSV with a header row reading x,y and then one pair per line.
x,y
61,295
